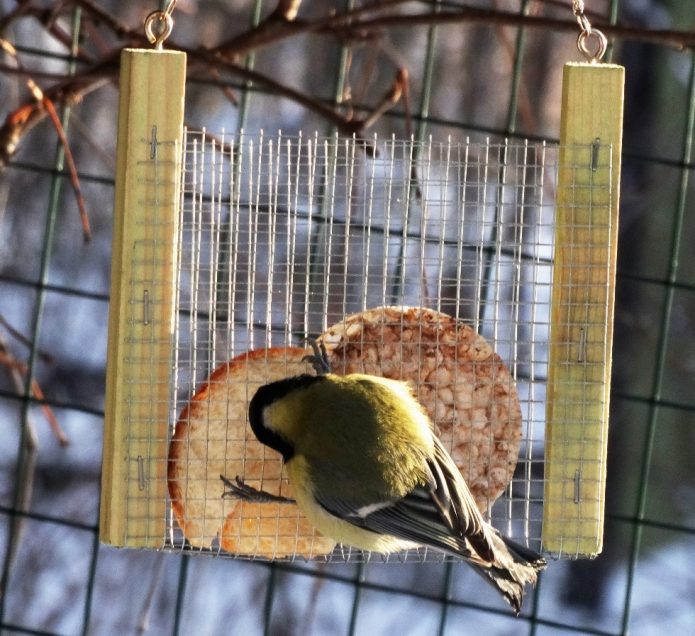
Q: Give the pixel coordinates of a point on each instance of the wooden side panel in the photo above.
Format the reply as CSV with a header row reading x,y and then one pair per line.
x,y
582,309
143,288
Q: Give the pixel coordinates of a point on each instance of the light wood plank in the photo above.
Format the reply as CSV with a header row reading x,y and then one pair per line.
x,y
143,287
583,295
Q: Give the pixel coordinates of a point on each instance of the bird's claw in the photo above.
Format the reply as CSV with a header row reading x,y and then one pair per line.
x,y
319,360
239,489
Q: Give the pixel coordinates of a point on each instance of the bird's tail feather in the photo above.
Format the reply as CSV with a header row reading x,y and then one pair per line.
x,y
515,567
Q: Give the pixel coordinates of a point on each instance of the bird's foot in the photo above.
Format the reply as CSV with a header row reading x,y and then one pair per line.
x,y
239,489
319,360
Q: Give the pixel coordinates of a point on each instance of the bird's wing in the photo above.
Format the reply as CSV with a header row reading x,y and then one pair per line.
x,y
441,514
459,506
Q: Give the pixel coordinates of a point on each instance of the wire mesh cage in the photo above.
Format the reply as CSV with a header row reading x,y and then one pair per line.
x,y
283,238
422,261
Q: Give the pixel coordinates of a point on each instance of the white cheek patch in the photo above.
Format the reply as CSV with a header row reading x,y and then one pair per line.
x,y
266,419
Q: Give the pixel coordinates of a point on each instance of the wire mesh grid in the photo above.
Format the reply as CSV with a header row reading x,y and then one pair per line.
x,y
294,234
282,238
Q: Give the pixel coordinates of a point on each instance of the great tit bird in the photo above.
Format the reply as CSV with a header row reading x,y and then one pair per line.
x,y
367,471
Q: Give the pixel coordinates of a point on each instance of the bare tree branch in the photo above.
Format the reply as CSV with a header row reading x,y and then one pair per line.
x,y
364,23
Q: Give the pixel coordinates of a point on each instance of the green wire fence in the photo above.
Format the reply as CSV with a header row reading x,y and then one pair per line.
x,y
57,579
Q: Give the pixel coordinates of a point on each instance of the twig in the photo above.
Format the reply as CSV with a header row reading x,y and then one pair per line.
x,y
100,15
8,361
312,104
52,420
72,168
67,92
22,339
39,96
389,100
363,23
25,478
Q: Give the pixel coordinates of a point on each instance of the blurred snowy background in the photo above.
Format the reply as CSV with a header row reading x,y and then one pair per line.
x,y
479,77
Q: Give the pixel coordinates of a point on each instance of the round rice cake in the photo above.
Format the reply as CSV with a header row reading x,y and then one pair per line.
x,y
213,438
463,384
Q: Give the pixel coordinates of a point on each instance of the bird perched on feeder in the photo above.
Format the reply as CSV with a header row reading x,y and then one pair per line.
x,y
368,471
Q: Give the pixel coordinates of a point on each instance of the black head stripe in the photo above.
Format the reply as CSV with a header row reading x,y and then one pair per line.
x,y
265,396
